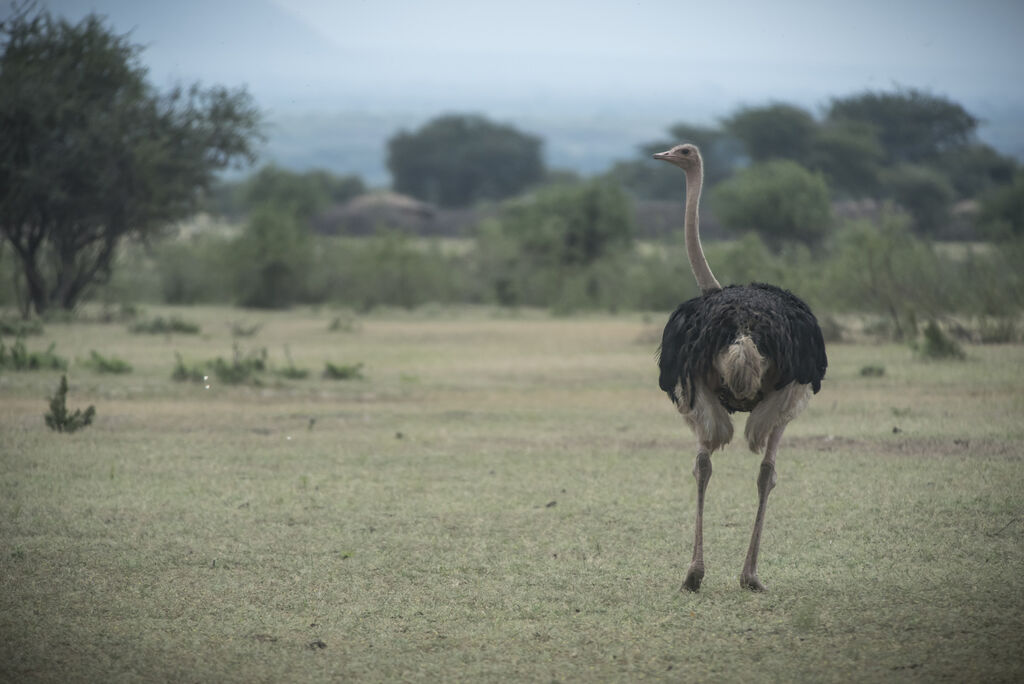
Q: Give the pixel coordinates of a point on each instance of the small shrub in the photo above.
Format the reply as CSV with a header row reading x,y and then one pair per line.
x,y
20,327
243,368
997,331
291,371
240,329
165,326
938,345
342,371
18,358
120,313
872,371
103,364
343,322
831,329
185,373
59,419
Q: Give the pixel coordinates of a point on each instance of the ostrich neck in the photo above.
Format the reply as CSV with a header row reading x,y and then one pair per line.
x,y
698,262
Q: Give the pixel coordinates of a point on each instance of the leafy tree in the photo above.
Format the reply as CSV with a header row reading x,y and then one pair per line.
x,y
780,200
884,268
848,154
923,192
305,194
975,168
775,131
272,258
1002,210
555,247
647,178
570,225
913,126
457,160
91,153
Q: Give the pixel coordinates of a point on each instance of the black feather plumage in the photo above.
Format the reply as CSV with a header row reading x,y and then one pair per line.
x,y
780,323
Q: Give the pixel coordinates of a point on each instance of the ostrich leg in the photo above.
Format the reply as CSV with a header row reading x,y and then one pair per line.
x,y
765,484
702,472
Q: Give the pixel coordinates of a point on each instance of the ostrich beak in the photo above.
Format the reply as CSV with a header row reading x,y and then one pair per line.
x,y
662,155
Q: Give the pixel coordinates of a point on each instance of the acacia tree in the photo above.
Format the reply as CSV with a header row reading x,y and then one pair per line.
x,y
913,126
92,154
774,131
456,160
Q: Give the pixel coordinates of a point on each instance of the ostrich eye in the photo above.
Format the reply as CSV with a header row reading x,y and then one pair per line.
x,y
686,151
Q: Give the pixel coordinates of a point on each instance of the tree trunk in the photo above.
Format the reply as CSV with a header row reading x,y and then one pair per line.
x,y
37,297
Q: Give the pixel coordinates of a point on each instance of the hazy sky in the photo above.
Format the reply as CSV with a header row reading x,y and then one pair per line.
x,y
594,78
535,51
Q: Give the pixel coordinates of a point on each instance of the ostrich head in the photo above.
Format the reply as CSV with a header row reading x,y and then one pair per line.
x,y
686,157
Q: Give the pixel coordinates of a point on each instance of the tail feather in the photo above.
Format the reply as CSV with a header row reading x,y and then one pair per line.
x,y
741,367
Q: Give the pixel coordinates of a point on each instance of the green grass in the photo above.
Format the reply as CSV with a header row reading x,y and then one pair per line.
x,y
503,497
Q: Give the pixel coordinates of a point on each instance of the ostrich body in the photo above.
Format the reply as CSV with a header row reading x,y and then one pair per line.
x,y
753,348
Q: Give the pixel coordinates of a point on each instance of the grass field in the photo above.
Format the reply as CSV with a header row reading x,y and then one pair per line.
x,y
501,497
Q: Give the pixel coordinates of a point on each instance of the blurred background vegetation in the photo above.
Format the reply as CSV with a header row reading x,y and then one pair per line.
x,y
884,204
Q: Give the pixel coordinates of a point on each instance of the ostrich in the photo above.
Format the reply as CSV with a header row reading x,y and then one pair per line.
x,y
753,348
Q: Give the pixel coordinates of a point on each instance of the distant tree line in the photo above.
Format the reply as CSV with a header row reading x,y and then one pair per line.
x,y
98,164
914,149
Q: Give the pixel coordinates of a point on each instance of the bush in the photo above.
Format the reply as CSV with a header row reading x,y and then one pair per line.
x,y
565,246
164,326
780,200
103,364
885,269
926,194
188,373
997,330
20,327
935,344
291,371
456,160
18,358
59,418
272,259
1002,210
334,371
388,269
243,368
197,270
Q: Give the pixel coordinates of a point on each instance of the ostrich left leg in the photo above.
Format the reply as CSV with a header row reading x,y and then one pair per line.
x,y
765,484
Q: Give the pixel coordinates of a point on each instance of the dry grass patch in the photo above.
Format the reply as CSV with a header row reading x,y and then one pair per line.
x,y
500,499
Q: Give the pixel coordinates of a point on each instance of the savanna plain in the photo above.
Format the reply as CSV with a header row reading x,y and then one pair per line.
x,y
499,496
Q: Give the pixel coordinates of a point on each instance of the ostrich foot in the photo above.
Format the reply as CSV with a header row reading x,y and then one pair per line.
x,y
751,582
693,577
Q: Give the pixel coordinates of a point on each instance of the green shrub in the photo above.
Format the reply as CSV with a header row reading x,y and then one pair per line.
x,y
343,372
291,371
272,259
872,371
20,327
937,345
240,329
103,364
243,368
165,326
197,270
17,357
926,194
997,330
184,372
780,200
59,418
344,322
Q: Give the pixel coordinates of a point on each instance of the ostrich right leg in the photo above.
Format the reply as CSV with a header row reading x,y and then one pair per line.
x,y
702,473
